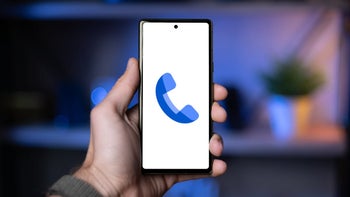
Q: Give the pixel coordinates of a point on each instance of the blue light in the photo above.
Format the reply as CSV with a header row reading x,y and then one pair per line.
x,y
206,187
97,95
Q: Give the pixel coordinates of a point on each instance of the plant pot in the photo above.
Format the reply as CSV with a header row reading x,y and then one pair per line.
x,y
289,116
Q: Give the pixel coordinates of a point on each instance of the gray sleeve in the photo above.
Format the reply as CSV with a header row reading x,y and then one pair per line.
x,y
69,186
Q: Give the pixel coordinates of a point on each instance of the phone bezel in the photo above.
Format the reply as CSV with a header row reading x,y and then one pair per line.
x,y
210,86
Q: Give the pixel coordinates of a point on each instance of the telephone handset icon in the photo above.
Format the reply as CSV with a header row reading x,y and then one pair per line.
x,y
186,115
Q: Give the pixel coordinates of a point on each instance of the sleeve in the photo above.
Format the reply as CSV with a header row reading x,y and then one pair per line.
x,y
69,186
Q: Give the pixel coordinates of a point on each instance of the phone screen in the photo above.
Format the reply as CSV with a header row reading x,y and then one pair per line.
x,y
175,95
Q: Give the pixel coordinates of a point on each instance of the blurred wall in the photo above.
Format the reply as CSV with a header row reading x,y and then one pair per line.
x,y
249,41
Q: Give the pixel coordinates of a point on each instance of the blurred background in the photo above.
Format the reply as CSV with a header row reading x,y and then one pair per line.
x,y
285,63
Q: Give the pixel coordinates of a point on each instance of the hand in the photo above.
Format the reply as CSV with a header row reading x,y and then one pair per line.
x,y
112,163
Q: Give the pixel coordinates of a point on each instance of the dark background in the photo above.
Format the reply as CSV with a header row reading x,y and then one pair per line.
x,y
55,53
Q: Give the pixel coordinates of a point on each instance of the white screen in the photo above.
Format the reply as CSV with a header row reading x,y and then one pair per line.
x,y
185,54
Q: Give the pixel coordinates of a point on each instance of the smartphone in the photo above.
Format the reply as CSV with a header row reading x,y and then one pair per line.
x,y
175,95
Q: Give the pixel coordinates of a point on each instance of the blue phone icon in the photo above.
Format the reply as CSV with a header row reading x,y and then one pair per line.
x,y
186,115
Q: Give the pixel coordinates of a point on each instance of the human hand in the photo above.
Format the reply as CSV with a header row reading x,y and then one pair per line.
x,y
112,163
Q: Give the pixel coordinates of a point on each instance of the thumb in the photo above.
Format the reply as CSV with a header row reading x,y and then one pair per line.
x,y
125,88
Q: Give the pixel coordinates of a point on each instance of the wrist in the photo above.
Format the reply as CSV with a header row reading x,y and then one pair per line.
x,y
116,187
98,180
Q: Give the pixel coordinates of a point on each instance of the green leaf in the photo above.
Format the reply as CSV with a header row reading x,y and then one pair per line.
x,y
292,78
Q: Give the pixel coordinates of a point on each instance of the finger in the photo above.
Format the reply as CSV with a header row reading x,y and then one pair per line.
x,y
218,113
216,145
125,88
219,168
220,92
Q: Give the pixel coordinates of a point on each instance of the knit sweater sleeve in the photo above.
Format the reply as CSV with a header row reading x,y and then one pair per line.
x,y
69,186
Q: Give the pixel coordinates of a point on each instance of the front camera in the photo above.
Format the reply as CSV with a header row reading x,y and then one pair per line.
x,y
175,26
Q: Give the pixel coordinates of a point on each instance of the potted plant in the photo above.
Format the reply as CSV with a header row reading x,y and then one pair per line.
x,y
290,85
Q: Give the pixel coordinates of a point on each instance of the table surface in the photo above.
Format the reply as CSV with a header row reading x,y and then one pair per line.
x,y
318,141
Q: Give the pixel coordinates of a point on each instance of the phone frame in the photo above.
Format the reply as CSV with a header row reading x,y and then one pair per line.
x,y
210,86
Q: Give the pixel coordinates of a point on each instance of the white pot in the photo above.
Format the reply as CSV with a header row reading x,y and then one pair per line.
x,y
289,117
